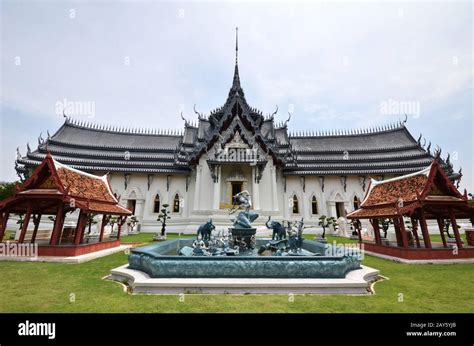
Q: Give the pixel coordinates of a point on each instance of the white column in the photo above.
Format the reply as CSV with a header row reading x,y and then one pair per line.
x,y
332,209
255,189
217,190
197,188
139,208
274,188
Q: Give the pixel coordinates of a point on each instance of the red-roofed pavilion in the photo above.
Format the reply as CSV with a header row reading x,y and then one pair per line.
x,y
56,189
420,196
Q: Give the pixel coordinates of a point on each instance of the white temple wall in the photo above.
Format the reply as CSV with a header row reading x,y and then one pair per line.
x,y
265,192
327,201
206,195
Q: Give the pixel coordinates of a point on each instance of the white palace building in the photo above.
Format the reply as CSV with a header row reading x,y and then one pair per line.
x,y
234,148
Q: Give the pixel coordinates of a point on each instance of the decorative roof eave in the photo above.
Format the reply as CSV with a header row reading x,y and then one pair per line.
x,y
349,165
113,147
240,125
182,170
364,157
350,172
48,163
118,163
89,153
362,150
437,170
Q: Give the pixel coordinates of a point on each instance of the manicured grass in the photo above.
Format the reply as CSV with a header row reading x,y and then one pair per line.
x,y
47,287
147,237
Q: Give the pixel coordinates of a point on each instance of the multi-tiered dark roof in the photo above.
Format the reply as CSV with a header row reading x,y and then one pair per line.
x,y
388,150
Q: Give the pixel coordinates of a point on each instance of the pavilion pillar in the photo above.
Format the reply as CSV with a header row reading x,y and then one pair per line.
x,y
398,235
403,232
120,222
375,226
414,225
424,229
58,225
441,231
105,220
24,226
455,228
3,224
80,227
359,230
36,222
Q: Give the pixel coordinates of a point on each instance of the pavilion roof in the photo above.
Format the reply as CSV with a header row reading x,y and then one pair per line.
x,y
52,180
429,188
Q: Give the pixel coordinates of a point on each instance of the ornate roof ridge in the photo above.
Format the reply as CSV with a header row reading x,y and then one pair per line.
x,y
348,132
122,129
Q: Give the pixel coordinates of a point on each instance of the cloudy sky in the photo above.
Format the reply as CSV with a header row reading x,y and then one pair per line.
x,y
337,65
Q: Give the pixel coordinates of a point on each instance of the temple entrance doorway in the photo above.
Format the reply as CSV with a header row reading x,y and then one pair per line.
x,y
236,188
131,204
340,211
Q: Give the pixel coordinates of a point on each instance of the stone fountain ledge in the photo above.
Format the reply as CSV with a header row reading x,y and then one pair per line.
x,y
356,282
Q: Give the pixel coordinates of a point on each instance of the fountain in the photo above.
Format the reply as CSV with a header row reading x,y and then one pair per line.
x,y
214,259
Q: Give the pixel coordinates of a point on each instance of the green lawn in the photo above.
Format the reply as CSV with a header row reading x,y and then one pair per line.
x,y
47,287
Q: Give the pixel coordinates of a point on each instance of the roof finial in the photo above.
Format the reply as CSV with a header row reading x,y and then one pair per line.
x,y
236,45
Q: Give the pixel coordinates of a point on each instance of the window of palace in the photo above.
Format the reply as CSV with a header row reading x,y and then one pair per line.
x,y
296,208
176,204
156,204
314,206
356,203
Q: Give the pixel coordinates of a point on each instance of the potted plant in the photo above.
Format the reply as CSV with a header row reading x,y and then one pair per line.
x,y
132,222
162,218
326,222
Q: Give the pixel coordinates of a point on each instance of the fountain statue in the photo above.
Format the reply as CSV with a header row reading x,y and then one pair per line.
x,y
205,230
285,241
279,231
245,217
243,234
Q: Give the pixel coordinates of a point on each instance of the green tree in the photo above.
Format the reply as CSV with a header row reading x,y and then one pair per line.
x,y
132,222
90,221
162,217
385,226
325,222
7,190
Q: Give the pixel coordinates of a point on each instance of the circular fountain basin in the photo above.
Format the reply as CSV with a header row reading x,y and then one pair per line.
x,y
162,261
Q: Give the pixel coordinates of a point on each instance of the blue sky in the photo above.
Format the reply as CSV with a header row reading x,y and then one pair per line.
x,y
334,63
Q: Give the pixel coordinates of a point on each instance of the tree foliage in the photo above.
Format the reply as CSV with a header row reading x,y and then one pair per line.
x,y
7,190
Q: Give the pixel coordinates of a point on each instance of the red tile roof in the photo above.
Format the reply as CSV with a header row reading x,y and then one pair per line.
x,y
404,189
84,185
403,195
57,181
